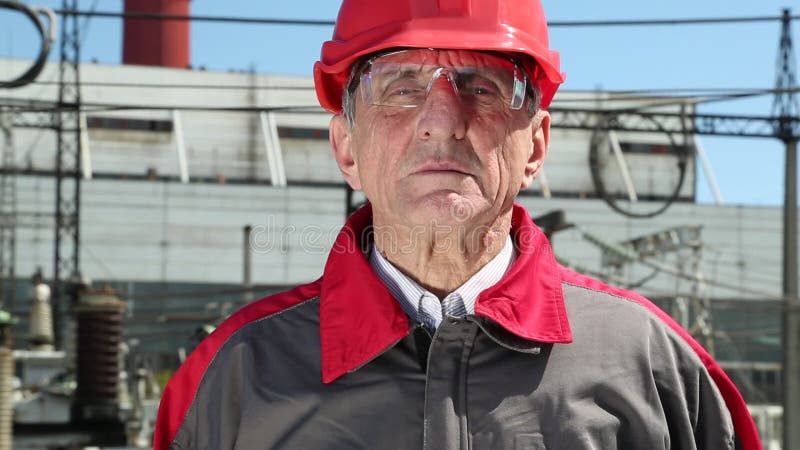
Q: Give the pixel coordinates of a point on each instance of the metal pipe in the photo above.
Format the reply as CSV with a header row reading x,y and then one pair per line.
x,y
711,180
623,166
247,254
180,146
546,192
86,153
272,145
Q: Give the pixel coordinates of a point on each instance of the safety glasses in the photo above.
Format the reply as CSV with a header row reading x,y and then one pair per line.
x,y
404,78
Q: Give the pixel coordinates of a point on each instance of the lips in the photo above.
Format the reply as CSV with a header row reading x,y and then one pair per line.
x,y
433,167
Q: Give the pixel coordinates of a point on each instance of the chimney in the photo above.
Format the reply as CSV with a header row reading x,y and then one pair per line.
x,y
156,42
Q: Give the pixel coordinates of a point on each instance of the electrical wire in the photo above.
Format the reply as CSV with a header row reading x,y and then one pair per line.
x,y
35,105
26,155
242,87
39,106
195,18
593,93
90,107
689,90
47,38
667,96
306,22
663,22
644,280
208,293
671,270
84,27
611,201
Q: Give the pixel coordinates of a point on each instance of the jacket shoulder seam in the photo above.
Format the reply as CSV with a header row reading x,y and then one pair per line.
x,y
650,313
601,291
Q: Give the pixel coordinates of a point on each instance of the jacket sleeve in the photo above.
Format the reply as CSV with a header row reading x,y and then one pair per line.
x,y
702,406
745,427
746,433
715,379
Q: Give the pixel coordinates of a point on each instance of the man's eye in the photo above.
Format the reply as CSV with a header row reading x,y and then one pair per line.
x,y
484,91
480,87
402,91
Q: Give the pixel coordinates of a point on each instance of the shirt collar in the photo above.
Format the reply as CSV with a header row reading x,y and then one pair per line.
x,y
410,294
359,317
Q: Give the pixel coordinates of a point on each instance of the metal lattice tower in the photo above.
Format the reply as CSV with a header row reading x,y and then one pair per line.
x,y
786,110
8,213
785,105
68,163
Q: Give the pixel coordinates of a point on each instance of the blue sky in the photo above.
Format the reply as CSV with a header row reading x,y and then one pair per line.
x,y
749,171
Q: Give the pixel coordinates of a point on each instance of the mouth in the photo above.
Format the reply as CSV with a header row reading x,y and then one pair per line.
x,y
441,168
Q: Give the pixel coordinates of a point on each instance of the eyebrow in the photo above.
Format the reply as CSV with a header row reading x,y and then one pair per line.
x,y
401,72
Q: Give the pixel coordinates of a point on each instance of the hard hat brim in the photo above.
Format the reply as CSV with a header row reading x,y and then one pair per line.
x,y
331,73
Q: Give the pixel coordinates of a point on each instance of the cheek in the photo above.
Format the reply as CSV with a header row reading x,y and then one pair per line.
x,y
494,141
494,132
511,158
381,144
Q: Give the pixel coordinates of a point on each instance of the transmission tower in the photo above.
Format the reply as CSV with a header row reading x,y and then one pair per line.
x,y
8,214
68,182
785,108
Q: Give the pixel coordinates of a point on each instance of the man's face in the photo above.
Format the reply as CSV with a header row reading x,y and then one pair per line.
x,y
456,157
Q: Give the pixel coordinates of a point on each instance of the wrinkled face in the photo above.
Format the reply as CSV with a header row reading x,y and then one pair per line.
x,y
436,138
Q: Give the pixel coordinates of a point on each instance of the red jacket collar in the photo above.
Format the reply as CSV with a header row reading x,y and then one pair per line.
x,y
359,318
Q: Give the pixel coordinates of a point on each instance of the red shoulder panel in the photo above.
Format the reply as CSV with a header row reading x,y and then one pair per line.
x,y
181,389
743,423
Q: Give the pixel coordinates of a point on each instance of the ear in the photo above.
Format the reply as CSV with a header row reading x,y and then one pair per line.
x,y
540,131
341,138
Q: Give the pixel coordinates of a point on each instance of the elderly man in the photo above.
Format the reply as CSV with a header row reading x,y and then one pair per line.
x,y
442,320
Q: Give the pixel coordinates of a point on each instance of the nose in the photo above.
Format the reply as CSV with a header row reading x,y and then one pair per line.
x,y
442,116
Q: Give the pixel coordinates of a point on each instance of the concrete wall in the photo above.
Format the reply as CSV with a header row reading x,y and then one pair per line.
x,y
168,231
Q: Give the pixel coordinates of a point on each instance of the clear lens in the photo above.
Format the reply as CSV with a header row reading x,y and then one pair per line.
x,y
405,79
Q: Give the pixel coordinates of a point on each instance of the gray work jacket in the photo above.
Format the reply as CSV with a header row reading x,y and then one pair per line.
x,y
551,359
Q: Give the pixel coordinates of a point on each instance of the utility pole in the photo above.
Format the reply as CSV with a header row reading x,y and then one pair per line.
x,y
785,108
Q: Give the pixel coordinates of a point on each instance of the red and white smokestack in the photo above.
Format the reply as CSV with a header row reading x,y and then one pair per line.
x,y
156,42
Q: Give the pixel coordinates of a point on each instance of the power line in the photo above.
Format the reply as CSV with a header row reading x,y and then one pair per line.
x,y
45,106
666,96
84,27
91,107
195,18
183,86
625,119
706,92
328,23
663,22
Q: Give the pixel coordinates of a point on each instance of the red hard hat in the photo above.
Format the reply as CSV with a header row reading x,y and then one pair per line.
x,y
368,26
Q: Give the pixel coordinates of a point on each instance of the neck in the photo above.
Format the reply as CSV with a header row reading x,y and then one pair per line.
x,y
440,259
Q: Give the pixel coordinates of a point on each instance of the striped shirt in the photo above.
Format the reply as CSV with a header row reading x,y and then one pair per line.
x,y
425,307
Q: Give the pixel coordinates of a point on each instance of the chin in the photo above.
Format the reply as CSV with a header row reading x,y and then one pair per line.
x,y
444,208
